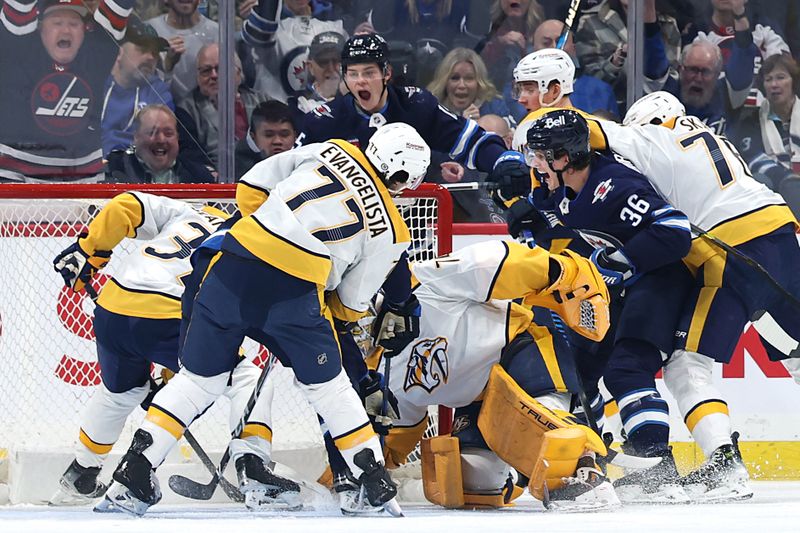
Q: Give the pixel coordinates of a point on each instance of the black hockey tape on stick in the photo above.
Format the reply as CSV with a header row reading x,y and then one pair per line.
x,y
574,7
190,488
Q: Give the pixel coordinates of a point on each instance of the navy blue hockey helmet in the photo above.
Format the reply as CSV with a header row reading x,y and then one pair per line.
x,y
559,132
368,48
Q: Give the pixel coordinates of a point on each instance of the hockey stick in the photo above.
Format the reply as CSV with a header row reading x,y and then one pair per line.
x,y
766,326
198,491
574,6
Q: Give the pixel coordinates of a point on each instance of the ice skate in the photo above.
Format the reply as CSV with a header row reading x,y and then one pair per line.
x,y
659,484
78,485
352,499
587,490
376,484
722,478
135,487
262,489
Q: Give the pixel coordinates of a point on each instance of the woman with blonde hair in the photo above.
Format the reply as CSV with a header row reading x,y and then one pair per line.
x,y
462,85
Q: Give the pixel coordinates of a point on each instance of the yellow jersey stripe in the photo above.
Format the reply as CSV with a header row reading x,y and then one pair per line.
x,y
138,303
341,311
281,253
703,409
523,270
548,351
256,429
355,437
712,279
249,198
165,421
400,231
96,447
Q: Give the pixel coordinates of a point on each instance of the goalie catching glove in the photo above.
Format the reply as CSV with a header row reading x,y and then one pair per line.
x,y
77,266
372,392
395,326
578,294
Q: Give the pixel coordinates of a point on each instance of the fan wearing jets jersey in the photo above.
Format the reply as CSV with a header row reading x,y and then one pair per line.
x,y
639,240
481,353
137,319
319,233
702,174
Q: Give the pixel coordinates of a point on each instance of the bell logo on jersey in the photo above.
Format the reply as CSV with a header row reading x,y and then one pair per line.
x,y
427,365
61,103
602,190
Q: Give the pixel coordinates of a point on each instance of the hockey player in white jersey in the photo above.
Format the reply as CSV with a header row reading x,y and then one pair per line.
x,y
137,319
318,235
703,175
509,379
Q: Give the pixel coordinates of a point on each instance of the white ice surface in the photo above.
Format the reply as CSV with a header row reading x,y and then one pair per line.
x,y
774,508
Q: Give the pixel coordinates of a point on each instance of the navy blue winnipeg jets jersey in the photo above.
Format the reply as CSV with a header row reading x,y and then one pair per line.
x,y
619,207
463,140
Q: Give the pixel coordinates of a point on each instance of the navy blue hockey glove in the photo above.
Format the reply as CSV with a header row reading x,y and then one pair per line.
x,y
510,178
396,326
372,392
77,267
522,217
615,268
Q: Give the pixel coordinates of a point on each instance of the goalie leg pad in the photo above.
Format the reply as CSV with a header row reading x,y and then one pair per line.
x,y
442,481
513,423
558,458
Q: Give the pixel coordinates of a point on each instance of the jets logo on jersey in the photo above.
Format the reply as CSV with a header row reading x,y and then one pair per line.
x,y
602,190
427,365
60,103
323,110
293,73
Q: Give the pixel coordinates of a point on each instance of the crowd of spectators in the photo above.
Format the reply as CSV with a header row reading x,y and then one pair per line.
x,y
126,90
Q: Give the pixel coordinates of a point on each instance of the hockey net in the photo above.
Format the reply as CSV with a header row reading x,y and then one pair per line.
x,y
47,354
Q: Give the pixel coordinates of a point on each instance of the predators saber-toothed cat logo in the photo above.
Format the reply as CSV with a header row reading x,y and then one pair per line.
x,y
61,103
427,365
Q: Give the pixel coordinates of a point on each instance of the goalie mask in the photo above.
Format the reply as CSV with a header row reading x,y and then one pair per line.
x,y
655,108
544,67
400,155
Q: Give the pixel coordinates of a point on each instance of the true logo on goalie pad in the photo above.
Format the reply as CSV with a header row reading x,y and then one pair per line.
x,y
427,365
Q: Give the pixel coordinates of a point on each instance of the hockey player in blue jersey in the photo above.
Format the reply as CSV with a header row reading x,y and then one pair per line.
x,y
373,101
638,241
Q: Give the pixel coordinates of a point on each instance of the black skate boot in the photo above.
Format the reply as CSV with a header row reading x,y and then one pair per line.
x,y
79,485
588,489
263,489
658,484
135,487
376,484
352,500
722,478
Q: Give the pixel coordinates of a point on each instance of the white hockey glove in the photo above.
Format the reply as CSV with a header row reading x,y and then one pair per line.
x,y
396,326
77,267
372,392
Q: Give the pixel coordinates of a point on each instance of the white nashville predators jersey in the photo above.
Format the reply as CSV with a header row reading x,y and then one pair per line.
x,y
147,282
323,216
463,330
701,174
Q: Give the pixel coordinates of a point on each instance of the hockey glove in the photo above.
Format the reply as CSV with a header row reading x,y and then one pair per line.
x,y
77,267
523,218
396,326
614,266
509,179
372,391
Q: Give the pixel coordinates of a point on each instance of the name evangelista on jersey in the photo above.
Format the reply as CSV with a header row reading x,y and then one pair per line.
x,y
702,175
321,213
147,283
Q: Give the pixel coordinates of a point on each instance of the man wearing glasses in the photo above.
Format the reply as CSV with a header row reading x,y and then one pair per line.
x,y
198,113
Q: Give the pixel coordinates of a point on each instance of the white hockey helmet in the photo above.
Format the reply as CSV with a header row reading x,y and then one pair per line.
x,y
544,66
400,154
654,108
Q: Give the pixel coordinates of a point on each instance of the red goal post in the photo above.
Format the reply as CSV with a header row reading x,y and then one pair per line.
x,y
49,364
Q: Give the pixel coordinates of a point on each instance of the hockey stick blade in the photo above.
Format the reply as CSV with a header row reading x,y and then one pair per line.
x,y
188,488
631,462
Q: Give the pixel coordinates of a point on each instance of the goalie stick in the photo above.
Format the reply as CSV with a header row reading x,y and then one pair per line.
x,y
190,488
762,320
